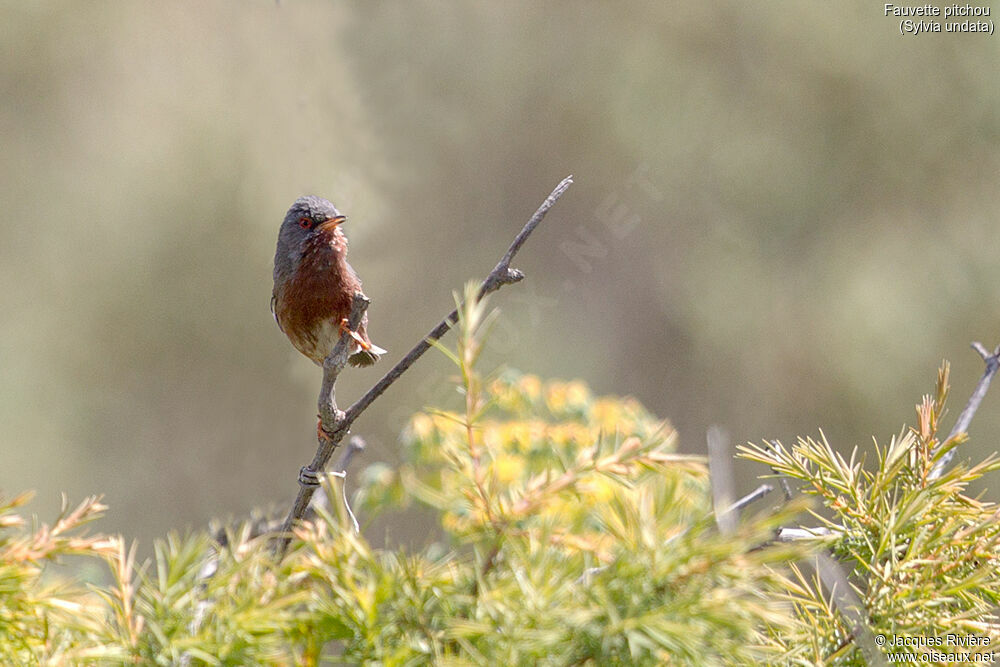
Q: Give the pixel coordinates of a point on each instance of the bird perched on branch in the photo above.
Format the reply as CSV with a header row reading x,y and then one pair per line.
x,y
314,284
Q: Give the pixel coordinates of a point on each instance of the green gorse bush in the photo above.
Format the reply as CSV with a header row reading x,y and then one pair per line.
x,y
569,532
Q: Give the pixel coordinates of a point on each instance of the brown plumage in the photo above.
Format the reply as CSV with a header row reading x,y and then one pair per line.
x,y
314,284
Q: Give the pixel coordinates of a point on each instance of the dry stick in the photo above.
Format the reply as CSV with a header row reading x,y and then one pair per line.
x,y
830,572
355,445
961,426
796,534
847,602
965,418
749,499
501,275
330,417
336,424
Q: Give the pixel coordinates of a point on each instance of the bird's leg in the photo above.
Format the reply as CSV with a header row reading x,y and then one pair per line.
x,y
345,327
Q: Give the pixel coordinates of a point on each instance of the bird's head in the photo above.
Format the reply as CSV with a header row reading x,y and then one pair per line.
x,y
308,216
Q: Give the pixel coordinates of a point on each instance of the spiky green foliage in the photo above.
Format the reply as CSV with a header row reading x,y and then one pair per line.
x,y
579,536
47,621
923,557
569,532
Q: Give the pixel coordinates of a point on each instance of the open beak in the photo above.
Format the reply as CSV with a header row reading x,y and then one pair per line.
x,y
333,222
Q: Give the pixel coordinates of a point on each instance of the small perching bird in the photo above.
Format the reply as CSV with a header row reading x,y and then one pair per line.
x,y
314,284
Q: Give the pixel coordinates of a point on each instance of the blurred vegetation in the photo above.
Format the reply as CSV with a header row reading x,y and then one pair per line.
x,y
782,215
923,555
571,533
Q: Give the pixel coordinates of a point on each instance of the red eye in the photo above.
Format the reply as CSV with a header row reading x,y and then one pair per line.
x,y
305,222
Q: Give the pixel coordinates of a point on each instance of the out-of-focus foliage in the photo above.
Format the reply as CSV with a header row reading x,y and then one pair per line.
x,y
570,533
48,621
924,556
765,194
591,540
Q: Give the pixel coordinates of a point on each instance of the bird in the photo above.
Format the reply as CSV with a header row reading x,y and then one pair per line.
x,y
314,285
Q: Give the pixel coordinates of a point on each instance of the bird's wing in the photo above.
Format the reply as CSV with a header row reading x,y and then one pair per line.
x,y
274,314
353,274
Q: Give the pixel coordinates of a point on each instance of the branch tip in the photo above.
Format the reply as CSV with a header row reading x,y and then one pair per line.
x,y
514,276
335,424
964,420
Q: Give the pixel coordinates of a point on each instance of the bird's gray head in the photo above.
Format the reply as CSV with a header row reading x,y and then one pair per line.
x,y
304,219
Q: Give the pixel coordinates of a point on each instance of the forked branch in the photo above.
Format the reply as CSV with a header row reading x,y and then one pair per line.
x,y
992,360
335,424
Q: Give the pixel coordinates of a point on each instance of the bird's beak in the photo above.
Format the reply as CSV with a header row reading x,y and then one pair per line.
x,y
333,222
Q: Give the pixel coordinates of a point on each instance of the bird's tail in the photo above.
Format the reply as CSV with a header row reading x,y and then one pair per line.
x,y
365,357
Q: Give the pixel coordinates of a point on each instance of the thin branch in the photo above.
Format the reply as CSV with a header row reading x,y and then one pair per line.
x,y
847,602
330,420
796,534
329,416
749,499
355,445
501,275
962,424
335,425
978,394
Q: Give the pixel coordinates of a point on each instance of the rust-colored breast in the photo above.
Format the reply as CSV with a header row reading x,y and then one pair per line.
x,y
311,303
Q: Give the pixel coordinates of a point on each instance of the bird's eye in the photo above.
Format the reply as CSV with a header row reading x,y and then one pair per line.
x,y
305,222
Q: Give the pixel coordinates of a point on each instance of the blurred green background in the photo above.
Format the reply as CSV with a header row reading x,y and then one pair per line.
x,y
784,217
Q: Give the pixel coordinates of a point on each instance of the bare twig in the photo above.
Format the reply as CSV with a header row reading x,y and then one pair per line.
x,y
749,499
331,419
501,275
978,394
961,426
337,424
847,602
355,445
797,534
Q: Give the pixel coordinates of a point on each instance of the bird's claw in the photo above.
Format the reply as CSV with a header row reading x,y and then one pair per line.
x,y
345,327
